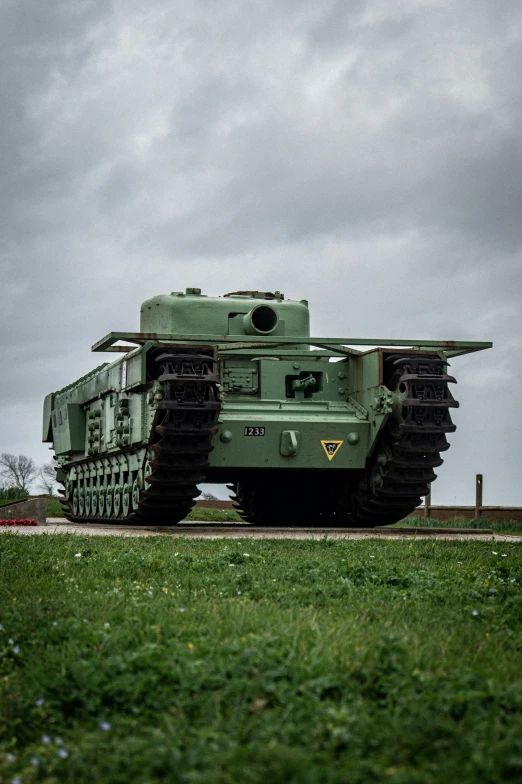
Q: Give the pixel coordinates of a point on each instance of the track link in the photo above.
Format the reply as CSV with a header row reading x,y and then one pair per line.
x,y
409,449
181,440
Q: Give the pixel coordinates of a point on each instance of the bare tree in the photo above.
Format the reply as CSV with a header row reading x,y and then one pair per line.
x,y
18,470
47,478
206,496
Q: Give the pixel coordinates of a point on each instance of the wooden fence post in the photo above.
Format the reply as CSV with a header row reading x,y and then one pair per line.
x,y
478,494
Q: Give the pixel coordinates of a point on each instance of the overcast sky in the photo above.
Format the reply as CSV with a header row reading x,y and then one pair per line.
x,y
365,155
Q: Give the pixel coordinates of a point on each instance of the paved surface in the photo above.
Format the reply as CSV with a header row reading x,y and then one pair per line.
x,y
244,531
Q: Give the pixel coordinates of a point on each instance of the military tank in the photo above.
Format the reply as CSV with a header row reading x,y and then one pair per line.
x,y
234,390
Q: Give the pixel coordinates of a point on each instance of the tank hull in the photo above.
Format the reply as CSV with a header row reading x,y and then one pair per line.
x,y
327,435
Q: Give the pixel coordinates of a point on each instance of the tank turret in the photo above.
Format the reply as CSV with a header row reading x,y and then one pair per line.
x,y
238,313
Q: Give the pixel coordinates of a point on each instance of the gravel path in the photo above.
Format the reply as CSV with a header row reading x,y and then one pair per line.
x,y
243,531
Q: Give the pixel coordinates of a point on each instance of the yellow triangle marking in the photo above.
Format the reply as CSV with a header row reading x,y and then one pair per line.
x,y
331,448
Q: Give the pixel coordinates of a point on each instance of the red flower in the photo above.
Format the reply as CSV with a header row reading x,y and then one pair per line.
x,y
18,522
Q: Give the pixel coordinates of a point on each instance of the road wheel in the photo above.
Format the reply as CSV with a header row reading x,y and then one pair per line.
x,y
117,494
127,496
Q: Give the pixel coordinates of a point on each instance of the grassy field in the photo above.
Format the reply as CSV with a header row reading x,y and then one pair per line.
x,y
184,660
497,526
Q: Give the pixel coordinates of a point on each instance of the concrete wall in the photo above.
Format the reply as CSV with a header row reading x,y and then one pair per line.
x,y
31,509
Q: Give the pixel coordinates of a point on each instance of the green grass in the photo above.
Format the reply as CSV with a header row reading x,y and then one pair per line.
x,y
260,661
497,526
54,508
214,515
7,501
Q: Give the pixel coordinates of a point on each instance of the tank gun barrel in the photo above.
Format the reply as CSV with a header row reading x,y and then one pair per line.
x,y
261,320
303,383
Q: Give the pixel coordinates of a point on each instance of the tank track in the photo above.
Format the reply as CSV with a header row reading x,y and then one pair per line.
x,y
398,474
401,470
177,453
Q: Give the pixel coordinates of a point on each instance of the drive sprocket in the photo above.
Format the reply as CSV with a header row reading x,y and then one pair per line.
x,y
401,469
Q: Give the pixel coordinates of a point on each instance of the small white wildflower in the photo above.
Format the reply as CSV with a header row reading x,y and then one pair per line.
x,y
247,555
1,628
374,576
150,593
104,725
346,579
182,609
176,554
45,740
16,780
474,612
504,555
10,641
39,702
116,590
239,593
55,623
372,556
10,757
62,753
493,553
403,598
459,563
107,624
16,649
28,560
58,741
34,761
231,564
513,580
77,555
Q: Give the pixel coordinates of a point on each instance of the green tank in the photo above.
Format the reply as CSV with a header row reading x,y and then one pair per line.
x,y
233,389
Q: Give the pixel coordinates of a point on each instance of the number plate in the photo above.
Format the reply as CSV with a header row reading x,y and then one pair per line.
x,y
254,431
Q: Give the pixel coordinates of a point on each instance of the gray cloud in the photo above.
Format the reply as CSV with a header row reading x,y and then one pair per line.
x,y
364,155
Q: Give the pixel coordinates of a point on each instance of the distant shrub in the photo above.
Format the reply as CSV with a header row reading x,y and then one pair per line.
x,y
11,494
